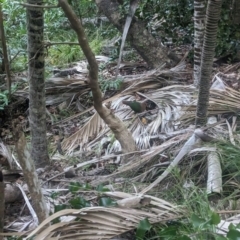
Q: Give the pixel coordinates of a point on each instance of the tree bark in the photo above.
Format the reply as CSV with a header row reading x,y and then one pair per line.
x,y
114,123
37,106
210,37
199,23
2,204
5,54
29,172
145,44
236,11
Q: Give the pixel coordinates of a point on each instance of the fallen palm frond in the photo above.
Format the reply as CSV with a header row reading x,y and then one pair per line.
x,y
220,102
189,145
142,161
90,130
105,223
169,101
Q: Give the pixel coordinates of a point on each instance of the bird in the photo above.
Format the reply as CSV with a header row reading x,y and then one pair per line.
x,y
137,107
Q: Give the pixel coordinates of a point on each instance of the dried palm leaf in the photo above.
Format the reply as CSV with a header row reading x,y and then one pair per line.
x,y
168,99
139,134
137,162
185,149
222,100
105,223
90,130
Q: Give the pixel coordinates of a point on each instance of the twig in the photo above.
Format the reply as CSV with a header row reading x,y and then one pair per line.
x,y
11,60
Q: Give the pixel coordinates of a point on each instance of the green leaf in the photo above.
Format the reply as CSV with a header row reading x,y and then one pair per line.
x,y
58,208
197,221
219,237
74,187
87,186
170,231
54,195
106,202
142,228
233,234
238,225
231,226
215,219
101,188
184,237
79,203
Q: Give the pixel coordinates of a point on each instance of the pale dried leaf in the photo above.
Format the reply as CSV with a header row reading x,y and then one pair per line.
x,y
90,130
105,223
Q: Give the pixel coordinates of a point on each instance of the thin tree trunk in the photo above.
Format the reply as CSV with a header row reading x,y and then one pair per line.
x,y
5,54
199,20
37,111
2,204
145,44
236,11
210,37
114,123
30,174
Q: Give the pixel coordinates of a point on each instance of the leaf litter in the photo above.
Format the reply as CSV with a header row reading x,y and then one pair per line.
x,y
87,152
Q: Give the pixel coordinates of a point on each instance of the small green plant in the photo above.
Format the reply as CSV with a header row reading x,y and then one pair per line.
x,y
196,228
78,201
143,226
110,84
3,100
4,96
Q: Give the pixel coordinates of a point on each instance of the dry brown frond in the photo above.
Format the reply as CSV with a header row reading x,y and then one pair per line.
x,y
90,130
105,223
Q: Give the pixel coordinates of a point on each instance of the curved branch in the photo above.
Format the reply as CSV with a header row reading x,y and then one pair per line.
x,y
114,123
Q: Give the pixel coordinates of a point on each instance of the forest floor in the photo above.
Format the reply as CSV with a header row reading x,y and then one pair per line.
x,y
86,166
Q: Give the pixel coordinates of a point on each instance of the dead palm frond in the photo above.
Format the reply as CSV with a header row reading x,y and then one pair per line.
x,y
144,160
169,101
94,126
153,79
105,223
220,102
163,98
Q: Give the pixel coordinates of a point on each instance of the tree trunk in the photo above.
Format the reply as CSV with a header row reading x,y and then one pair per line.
x,y
145,44
29,172
37,108
236,12
5,54
210,37
2,204
114,123
199,20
